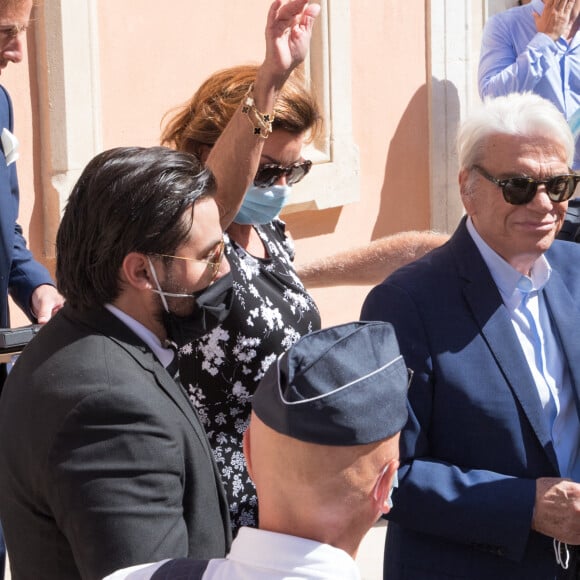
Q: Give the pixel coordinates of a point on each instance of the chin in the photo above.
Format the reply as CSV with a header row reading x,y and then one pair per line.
x,y
545,242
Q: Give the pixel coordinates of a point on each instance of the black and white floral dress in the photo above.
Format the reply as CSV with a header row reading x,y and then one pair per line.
x,y
221,371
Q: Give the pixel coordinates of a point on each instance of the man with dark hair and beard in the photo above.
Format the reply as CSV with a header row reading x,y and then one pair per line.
x,y
103,460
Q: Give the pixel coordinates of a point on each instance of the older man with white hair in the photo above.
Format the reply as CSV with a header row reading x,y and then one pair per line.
x,y
490,460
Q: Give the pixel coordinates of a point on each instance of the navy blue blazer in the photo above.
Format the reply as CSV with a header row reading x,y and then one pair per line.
x,y
20,274
476,440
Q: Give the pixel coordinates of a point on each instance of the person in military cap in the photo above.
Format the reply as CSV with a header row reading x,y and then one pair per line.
x,y
323,450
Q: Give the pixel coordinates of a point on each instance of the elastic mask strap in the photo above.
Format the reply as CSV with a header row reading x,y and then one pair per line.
x,y
393,486
158,291
562,561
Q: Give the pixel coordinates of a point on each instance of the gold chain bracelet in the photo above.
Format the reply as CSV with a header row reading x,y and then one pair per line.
x,y
261,122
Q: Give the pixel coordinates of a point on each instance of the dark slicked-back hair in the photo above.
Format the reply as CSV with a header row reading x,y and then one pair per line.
x,y
129,199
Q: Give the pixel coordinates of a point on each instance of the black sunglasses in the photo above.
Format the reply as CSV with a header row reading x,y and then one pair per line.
x,y
270,173
521,190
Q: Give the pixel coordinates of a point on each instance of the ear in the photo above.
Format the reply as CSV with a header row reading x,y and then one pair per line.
x,y
384,485
462,178
463,190
247,452
136,272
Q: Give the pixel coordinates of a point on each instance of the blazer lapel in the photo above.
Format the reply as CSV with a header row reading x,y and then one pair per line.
x,y
177,393
567,321
108,324
492,317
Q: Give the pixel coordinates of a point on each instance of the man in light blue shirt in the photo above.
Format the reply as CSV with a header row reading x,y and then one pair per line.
x,y
535,48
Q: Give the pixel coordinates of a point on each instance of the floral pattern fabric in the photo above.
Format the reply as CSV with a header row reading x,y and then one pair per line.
x,y
270,312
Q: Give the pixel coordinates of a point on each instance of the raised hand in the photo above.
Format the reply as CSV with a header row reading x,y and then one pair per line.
x,y
557,19
288,33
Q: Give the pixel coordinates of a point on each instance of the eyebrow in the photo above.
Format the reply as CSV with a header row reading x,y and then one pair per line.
x,y
8,27
211,245
270,159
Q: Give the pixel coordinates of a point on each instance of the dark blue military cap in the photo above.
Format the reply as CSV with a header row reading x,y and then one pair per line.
x,y
343,385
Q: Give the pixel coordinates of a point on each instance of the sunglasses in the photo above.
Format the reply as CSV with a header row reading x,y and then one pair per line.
x,y
521,190
270,173
213,260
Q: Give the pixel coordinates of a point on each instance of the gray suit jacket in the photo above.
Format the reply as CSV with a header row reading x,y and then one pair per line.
x,y
103,460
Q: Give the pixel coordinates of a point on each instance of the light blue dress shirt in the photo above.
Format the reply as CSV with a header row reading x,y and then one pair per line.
x,y
529,314
515,57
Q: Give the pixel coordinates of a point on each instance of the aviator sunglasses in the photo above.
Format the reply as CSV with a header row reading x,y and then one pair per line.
x,y
213,260
521,190
270,173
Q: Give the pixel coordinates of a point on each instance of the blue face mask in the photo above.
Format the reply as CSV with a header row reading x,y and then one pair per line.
x,y
262,204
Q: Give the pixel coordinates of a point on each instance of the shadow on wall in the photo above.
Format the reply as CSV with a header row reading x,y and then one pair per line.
x,y
421,156
308,224
418,159
405,191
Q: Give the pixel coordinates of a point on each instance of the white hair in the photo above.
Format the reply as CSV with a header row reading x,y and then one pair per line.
x,y
518,114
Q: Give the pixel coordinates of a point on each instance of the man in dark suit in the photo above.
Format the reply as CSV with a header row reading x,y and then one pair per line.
x,y
27,281
490,464
103,460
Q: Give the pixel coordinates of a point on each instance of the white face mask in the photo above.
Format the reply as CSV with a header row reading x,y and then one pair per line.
x,y
393,486
262,204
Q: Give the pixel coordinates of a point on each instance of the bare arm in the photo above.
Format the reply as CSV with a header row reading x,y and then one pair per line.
x,y
236,155
369,264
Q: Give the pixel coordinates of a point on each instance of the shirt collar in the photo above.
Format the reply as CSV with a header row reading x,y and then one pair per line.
x,y
164,355
504,275
282,552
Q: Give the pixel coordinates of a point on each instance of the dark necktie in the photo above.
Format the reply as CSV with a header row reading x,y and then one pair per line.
x,y
173,367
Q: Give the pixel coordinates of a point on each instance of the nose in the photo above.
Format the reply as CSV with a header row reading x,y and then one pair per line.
x,y
541,201
14,51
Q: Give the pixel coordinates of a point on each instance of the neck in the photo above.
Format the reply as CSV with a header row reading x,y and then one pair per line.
x,y
241,233
142,308
523,264
246,236
332,529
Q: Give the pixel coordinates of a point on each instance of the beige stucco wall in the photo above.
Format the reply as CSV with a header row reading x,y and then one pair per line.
x,y
151,60
390,125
